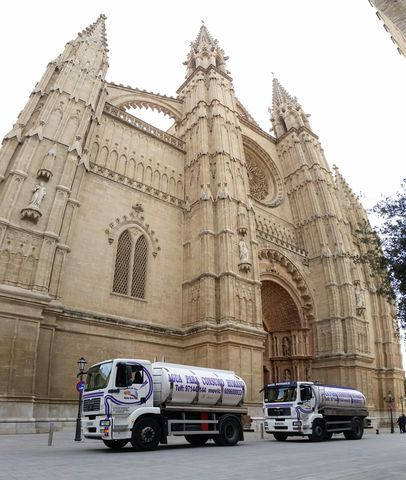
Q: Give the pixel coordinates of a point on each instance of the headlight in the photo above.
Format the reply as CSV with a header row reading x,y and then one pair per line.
x,y
297,423
105,423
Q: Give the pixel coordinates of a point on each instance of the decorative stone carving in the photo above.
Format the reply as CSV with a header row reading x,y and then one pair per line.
x,y
257,180
32,211
245,264
45,172
359,299
242,220
286,347
136,218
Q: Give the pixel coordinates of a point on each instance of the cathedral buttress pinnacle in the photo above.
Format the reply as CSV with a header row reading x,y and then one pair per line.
x,y
204,52
286,112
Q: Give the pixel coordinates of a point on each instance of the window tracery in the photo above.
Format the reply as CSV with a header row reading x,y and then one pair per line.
x,y
130,269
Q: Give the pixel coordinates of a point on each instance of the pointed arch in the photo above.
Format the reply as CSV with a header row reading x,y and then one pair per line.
x,y
102,160
139,268
130,171
122,264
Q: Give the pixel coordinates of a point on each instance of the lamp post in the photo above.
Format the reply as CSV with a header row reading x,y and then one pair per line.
x,y
78,434
390,400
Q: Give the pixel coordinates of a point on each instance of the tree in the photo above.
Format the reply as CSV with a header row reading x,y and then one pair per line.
x,y
392,212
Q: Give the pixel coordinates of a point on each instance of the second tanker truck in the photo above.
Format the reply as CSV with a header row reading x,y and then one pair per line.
x,y
128,400
313,410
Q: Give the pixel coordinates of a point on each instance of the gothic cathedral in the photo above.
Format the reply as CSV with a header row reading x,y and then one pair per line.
x,y
212,244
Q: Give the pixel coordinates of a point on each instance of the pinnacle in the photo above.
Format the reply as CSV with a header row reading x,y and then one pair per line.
x,y
204,37
96,32
280,95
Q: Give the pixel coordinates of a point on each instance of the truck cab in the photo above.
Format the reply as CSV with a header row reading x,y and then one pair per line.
x,y
117,392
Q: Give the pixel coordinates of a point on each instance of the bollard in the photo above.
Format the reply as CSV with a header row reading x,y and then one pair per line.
x,y
377,431
262,430
50,434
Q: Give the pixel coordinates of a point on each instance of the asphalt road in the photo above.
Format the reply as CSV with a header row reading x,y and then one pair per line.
x,y
380,457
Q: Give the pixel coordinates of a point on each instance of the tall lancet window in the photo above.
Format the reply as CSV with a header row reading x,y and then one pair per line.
x,y
130,269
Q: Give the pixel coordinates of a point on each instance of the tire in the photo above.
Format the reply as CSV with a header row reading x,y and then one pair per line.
x,y
146,434
197,439
318,431
230,432
357,429
281,437
328,435
115,444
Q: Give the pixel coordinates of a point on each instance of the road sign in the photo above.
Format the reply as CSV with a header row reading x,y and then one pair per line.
x,y
80,386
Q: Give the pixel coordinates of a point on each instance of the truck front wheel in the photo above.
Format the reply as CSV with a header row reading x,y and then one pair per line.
x,y
115,444
146,434
281,437
318,431
230,433
357,430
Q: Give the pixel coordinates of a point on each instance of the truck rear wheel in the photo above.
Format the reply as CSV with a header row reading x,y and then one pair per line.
x,y
146,434
318,431
357,429
230,432
115,444
281,437
196,439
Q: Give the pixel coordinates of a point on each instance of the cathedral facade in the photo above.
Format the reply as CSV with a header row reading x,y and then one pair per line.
x,y
213,244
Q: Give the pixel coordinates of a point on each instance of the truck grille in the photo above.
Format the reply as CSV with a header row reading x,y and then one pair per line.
x,y
278,412
91,404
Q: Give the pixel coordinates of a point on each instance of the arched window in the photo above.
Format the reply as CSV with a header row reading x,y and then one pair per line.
x,y
131,264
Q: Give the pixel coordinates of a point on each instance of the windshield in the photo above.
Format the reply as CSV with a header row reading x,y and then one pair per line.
x,y
279,394
98,376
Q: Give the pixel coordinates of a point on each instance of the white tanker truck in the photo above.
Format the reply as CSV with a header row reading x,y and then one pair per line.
x,y
137,401
313,410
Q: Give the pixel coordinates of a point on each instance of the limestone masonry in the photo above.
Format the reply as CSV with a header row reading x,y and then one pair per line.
x,y
212,244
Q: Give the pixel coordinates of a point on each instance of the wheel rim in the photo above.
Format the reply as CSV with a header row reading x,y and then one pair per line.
x,y
229,431
318,430
147,435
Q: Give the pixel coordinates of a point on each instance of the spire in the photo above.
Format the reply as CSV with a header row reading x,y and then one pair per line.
x,y
280,96
89,47
204,52
95,33
286,110
204,37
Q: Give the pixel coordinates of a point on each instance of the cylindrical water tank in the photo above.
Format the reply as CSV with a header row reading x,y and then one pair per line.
x,y
182,384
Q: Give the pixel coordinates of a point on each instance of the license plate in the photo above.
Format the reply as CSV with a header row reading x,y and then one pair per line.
x,y
278,424
89,424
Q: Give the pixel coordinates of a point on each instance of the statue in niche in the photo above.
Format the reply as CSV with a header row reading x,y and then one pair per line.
x,y
287,374
359,299
244,256
39,193
286,348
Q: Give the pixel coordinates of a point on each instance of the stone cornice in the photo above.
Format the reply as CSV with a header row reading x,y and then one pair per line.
x,y
141,187
203,70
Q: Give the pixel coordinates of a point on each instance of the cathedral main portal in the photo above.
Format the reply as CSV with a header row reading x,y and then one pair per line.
x,y
288,347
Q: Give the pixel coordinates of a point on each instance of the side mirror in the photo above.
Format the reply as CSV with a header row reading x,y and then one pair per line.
x,y
143,400
128,375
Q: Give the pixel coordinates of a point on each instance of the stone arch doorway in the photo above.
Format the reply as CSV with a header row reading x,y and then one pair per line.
x,y
287,314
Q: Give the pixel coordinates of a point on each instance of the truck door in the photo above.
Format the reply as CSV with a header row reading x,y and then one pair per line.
x,y
307,399
132,388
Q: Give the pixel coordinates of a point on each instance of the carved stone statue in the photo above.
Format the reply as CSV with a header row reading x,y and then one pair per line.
x,y
287,374
286,350
359,299
38,196
244,255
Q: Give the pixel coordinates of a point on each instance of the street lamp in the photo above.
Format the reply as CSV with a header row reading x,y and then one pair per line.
x,y
81,364
390,400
